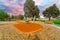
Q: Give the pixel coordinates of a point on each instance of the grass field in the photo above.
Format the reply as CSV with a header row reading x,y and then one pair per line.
x,y
54,21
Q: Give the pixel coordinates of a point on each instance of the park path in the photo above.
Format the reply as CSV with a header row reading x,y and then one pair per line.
x,y
49,32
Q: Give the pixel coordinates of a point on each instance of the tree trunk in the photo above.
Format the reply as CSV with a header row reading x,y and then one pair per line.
x,y
33,18
49,18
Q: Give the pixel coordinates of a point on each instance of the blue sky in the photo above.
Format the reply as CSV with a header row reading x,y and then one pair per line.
x,y
47,3
16,6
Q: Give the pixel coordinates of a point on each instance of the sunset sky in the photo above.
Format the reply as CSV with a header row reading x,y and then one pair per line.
x,y
15,7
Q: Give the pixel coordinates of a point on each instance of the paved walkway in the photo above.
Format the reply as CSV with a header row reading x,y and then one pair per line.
x,y
49,32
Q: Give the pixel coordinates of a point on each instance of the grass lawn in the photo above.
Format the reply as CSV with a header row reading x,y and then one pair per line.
x,y
54,21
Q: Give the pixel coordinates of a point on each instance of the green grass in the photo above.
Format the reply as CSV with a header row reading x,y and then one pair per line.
x,y
42,20
54,21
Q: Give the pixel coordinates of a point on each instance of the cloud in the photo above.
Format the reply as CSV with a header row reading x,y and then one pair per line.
x,y
15,7
38,2
46,2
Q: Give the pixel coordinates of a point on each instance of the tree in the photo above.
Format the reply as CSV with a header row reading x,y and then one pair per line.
x,y
3,15
30,9
12,18
21,17
52,11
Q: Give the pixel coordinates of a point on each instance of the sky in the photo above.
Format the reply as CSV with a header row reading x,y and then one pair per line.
x,y
12,7
15,7
47,3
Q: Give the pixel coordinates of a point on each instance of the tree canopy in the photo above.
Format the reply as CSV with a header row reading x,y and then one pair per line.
x,y
3,15
31,9
52,11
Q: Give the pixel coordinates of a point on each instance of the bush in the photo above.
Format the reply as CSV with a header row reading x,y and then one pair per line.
x,y
3,15
21,17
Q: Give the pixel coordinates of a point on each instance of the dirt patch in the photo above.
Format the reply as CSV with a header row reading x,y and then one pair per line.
x,y
28,26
